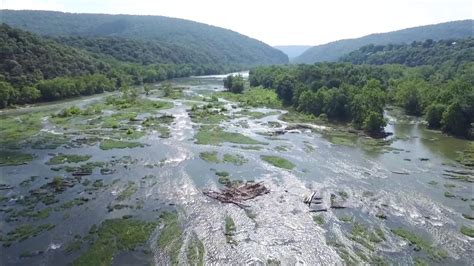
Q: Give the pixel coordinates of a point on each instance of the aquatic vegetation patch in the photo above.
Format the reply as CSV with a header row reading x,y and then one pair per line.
x,y
11,158
195,252
296,117
127,193
249,147
75,202
229,229
420,244
281,148
209,156
235,159
278,161
254,97
68,158
109,144
207,114
170,239
222,173
466,158
367,238
24,232
468,231
138,105
319,219
15,129
49,141
114,236
81,170
31,213
215,136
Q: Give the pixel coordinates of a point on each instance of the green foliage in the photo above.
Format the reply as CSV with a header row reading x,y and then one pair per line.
x,y
170,239
434,114
374,123
14,158
343,92
209,156
234,84
114,236
254,97
419,243
417,53
149,39
215,136
468,231
334,50
229,229
455,121
68,158
278,161
109,144
128,191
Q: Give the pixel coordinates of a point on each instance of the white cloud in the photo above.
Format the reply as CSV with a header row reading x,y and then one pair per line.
x,y
279,21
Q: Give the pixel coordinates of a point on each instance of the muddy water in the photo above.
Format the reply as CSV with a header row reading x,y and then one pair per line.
x,y
282,228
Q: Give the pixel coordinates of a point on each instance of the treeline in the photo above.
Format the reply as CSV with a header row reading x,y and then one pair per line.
x,y
435,53
33,68
357,94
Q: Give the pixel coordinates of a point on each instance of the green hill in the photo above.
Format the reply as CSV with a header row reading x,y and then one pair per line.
x,y
334,50
214,44
27,58
429,52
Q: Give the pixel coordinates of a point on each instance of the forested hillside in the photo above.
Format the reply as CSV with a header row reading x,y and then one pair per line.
x,y
137,51
334,50
435,53
216,45
33,68
357,94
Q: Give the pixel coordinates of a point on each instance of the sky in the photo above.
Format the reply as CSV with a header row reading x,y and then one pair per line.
x,y
278,22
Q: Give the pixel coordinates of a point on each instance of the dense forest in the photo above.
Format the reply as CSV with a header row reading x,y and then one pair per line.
x,y
33,68
357,94
429,52
214,44
332,51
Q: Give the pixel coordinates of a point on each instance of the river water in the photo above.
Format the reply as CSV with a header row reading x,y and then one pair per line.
x,y
394,182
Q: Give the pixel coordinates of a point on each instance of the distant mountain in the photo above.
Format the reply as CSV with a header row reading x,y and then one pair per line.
x,y
216,45
334,50
434,53
292,51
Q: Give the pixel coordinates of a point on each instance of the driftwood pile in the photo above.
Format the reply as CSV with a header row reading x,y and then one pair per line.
x,y
236,194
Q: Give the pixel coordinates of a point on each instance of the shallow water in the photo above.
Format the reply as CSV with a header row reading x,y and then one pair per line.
x,y
283,228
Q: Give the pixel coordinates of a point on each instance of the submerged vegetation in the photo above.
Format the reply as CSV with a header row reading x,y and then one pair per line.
x,y
214,135
114,236
278,161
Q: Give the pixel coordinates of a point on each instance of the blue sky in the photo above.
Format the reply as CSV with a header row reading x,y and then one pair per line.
x,y
279,22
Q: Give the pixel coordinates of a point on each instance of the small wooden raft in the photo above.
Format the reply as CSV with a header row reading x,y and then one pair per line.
x,y
236,194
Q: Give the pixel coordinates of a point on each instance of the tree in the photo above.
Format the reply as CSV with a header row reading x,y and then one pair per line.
x,y
284,86
234,84
147,89
454,121
7,94
434,115
374,123
29,94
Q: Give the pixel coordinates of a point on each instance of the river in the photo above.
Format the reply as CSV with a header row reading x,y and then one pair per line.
x,y
403,185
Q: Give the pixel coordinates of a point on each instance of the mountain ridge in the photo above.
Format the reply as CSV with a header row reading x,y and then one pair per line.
x,y
332,51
